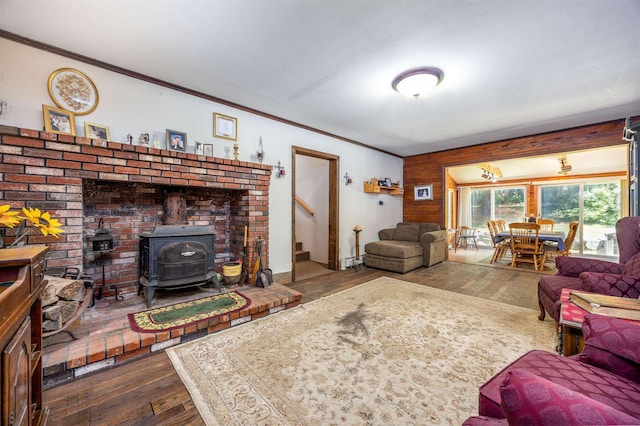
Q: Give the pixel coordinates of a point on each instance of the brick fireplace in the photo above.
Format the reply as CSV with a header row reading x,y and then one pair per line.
x,y
81,180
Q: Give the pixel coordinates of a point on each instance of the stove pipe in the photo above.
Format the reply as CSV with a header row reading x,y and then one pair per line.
x,y
175,209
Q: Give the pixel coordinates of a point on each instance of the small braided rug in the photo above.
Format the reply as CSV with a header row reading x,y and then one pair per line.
x,y
186,313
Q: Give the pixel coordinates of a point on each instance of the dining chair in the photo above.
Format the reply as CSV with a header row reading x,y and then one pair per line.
x,y
551,250
466,234
525,247
546,224
500,247
502,225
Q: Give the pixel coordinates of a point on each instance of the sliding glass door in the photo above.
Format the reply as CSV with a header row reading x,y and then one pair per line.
x,y
508,203
595,205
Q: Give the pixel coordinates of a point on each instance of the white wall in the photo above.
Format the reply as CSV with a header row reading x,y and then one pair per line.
x,y
131,106
312,186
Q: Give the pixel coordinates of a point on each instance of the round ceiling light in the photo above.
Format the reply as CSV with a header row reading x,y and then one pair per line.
x,y
418,81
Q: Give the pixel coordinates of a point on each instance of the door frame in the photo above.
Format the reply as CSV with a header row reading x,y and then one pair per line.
x,y
333,201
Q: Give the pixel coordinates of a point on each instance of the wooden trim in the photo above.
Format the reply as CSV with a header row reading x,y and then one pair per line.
x,y
133,74
334,203
621,175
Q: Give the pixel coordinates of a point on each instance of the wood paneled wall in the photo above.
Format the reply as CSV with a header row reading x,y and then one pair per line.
x,y
431,168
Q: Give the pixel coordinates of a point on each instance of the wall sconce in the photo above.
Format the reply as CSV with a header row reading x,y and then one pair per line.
x,y
279,168
347,179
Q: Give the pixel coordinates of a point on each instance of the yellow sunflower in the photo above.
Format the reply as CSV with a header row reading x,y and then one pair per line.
x,y
52,227
8,218
37,220
36,217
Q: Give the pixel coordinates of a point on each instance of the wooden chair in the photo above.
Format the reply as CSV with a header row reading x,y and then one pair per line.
x,y
500,247
466,234
502,225
551,250
525,247
546,224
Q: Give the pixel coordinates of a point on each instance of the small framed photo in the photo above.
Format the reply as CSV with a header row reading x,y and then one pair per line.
x,y
423,192
96,131
58,120
387,182
208,149
176,141
199,148
225,127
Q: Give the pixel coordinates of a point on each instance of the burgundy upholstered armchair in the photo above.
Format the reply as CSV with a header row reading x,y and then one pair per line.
x,y
599,276
600,386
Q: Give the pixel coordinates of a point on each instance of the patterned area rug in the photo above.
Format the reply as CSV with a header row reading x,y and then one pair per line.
x,y
384,352
185,313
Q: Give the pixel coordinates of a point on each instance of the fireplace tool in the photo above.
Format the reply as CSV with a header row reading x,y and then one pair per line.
x,y
261,278
245,273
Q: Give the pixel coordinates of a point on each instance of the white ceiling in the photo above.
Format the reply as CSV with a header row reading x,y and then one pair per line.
x,y
512,67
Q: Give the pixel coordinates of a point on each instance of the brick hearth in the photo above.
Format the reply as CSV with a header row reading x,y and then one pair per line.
x,y
105,339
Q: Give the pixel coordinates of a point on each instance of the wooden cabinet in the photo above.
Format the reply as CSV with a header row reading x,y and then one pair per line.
x,y
21,283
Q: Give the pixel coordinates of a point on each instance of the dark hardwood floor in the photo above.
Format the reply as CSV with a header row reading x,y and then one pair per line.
x,y
149,391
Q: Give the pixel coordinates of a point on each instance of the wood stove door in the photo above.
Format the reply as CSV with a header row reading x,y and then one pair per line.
x,y
182,263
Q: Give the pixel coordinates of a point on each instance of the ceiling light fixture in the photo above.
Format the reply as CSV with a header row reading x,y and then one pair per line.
x,y
418,81
490,173
565,167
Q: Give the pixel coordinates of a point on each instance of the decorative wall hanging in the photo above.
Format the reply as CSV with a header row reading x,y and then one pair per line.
x,y
96,131
423,192
72,90
58,120
225,127
176,141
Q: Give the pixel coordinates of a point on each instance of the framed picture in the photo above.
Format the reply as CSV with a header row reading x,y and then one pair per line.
x,y
423,192
96,131
72,90
225,127
207,149
176,141
387,182
58,120
199,148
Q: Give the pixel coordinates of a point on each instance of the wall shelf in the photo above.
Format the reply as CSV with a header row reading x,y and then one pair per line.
x,y
377,189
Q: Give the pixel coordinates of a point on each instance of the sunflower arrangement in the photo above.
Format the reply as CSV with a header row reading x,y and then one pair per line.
x,y
34,219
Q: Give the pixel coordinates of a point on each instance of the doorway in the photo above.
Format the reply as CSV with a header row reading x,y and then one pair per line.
x,y
326,183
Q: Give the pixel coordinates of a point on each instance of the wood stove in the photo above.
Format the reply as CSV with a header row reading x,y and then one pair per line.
x,y
175,256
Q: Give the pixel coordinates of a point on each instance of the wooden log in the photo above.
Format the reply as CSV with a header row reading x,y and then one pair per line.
x,y
66,289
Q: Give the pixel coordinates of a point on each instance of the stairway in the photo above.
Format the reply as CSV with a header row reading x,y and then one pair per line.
x,y
301,255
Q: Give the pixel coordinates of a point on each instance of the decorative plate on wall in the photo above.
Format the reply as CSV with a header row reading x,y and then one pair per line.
x,y
72,90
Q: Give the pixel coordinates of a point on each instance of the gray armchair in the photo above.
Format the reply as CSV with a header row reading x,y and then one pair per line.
x,y
408,246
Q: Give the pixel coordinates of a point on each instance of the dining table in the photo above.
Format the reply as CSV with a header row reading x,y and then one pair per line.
x,y
551,236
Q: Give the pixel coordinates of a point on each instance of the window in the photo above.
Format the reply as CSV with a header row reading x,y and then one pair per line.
x,y
506,203
595,205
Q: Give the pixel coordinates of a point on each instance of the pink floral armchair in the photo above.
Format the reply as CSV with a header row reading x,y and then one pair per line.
x,y
599,276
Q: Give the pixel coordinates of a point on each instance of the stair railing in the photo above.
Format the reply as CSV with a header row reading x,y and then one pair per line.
x,y
304,206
